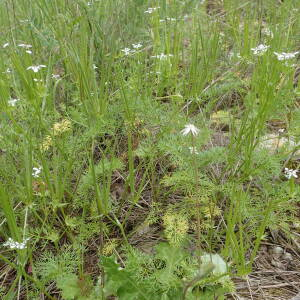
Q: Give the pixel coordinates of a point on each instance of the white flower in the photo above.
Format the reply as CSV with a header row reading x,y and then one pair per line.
x,y
28,51
137,46
289,173
37,80
260,49
190,128
167,19
15,245
150,10
12,102
267,32
5,45
36,172
55,76
26,46
233,54
126,51
35,69
95,67
285,56
193,150
162,56
7,71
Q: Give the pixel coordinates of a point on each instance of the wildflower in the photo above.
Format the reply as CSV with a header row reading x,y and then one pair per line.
x,y
289,173
37,80
260,49
285,56
47,143
15,245
126,51
61,127
28,51
267,32
232,55
12,102
36,172
109,247
193,150
190,128
176,227
167,19
26,46
137,46
7,71
35,69
55,76
150,10
162,56
95,67
5,45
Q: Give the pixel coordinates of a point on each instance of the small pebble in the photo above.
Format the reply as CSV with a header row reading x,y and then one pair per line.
x,y
277,251
277,264
287,256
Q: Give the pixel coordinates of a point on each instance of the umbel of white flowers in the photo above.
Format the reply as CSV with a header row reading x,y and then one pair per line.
x,y
15,245
286,56
260,49
289,173
36,172
190,128
35,69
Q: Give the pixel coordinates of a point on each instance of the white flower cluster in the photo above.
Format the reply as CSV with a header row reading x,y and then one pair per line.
x,y
128,51
150,10
289,173
35,69
55,76
137,46
286,56
268,32
13,102
233,55
260,49
168,20
15,245
193,150
27,47
36,172
162,56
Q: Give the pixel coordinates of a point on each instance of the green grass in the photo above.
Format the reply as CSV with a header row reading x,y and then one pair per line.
x,y
105,132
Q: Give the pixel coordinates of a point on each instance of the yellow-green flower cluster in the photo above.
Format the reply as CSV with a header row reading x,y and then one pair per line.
x,y
61,127
176,227
109,247
57,129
